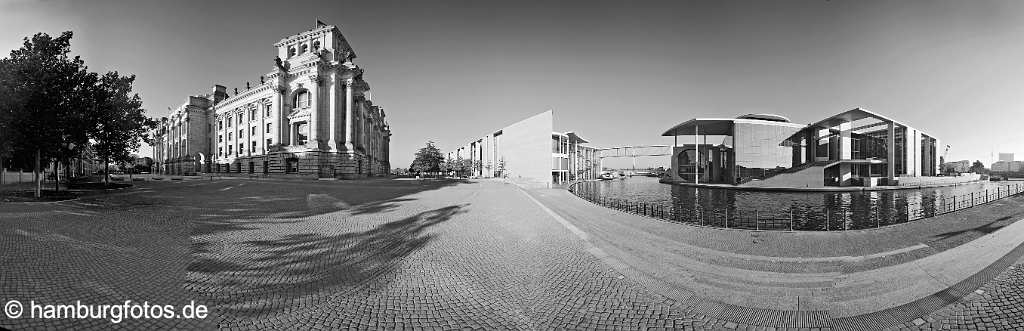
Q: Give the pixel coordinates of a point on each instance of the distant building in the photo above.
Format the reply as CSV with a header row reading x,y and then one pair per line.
x,y
181,143
312,115
531,153
1008,157
1008,166
852,148
957,166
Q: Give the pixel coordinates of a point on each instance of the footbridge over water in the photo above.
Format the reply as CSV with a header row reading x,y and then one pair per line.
x,y
633,152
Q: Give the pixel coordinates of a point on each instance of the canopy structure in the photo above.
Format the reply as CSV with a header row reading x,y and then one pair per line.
x,y
717,126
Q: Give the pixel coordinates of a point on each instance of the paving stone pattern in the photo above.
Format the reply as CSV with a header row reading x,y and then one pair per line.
x,y
354,254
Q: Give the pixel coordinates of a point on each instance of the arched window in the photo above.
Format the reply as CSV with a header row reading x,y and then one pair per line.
x,y
303,48
302,99
291,51
316,46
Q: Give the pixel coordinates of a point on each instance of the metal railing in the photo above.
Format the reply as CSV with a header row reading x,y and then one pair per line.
x,y
799,218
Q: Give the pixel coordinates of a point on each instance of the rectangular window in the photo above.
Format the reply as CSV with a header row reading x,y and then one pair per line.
x,y
239,122
229,150
241,147
220,138
220,151
268,110
252,114
269,125
268,144
229,135
252,132
254,147
220,125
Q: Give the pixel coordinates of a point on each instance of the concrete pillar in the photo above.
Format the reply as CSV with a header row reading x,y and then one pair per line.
x,y
917,153
696,154
845,141
891,150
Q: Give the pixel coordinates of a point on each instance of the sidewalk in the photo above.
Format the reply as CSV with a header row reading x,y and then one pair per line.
x,y
824,278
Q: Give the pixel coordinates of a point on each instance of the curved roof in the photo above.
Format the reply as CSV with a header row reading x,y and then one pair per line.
x,y
765,117
719,126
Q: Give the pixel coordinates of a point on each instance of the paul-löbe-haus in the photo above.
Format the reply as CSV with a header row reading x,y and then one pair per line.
x,y
852,148
312,116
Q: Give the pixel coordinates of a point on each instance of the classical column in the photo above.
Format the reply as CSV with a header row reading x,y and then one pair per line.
x,y
314,110
332,141
348,116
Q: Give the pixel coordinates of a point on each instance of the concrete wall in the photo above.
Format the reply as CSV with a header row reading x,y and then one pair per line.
x,y
526,148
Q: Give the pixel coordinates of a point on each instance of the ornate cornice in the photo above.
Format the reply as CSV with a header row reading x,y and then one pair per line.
x,y
229,102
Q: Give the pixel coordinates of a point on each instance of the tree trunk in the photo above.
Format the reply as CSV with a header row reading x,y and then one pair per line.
x,y
56,176
106,172
39,182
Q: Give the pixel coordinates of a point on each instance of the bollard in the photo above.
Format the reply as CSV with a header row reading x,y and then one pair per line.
x,y
757,226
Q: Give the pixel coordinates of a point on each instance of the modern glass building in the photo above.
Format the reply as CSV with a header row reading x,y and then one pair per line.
x,y
853,148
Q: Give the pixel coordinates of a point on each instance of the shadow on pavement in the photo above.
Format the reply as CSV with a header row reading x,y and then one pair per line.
x,y
289,268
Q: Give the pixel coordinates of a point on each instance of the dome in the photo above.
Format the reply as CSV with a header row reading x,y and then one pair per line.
x,y
765,117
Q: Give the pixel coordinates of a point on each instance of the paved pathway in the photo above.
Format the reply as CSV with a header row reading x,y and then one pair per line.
x,y
330,255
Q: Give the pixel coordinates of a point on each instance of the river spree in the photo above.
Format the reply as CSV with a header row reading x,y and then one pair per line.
x,y
796,210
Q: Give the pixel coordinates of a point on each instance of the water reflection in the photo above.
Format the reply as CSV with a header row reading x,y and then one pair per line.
x,y
796,210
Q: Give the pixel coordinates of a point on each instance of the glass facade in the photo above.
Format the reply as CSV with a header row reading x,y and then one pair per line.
x,y
761,151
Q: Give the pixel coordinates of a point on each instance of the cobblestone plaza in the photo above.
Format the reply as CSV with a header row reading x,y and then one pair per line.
x,y
395,254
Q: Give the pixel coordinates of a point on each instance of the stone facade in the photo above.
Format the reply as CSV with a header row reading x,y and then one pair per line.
x,y
312,115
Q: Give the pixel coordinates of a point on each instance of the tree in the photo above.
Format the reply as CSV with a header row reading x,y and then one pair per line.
x,y
120,122
428,159
44,97
446,166
977,167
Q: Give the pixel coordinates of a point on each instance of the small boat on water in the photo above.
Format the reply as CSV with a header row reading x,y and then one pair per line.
x,y
607,176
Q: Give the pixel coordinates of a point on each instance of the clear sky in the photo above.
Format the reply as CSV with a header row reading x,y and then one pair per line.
x,y
617,72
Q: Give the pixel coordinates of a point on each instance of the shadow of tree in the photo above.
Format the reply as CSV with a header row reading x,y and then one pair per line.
x,y
295,265
975,231
254,208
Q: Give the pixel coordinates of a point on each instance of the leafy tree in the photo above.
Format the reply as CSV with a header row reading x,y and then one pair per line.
x,y
428,159
446,166
120,122
44,98
977,167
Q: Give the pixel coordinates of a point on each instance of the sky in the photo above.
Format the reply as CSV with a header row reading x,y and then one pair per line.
x,y
616,72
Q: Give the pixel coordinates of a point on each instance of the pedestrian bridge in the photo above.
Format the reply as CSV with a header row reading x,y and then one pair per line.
x,y
635,151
